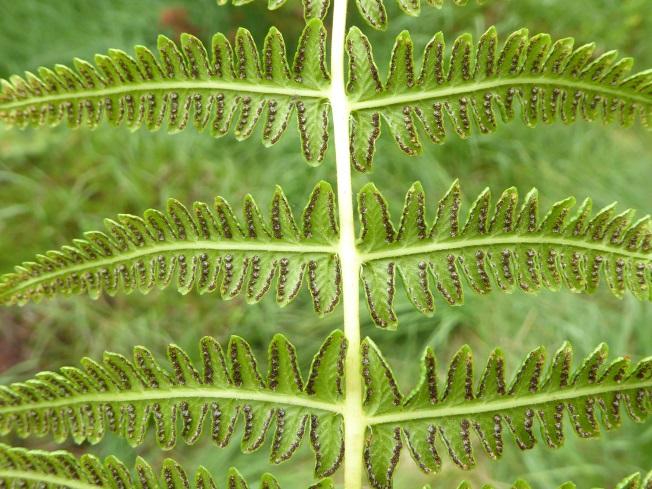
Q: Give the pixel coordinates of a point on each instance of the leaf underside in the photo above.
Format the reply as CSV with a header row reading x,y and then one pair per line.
x,y
36,469
32,469
375,13
474,86
506,247
433,420
233,88
125,397
204,248
220,88
312,9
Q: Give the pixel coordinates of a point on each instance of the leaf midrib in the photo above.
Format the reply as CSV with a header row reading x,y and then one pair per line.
x,y
381,101
48,479
498,241
419,96
179,246
475,407
238,87
178,393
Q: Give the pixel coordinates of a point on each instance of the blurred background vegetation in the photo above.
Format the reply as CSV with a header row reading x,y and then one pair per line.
x,y
54,184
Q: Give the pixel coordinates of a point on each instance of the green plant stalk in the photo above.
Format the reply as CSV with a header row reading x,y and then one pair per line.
x,y
497,241
353,414
180,394
502,404
467,88
165,86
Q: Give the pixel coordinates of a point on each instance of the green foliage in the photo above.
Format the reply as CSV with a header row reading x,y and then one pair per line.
x,y
187,84
312,9
433,420
350,389
372,11
32,469
123,397
126,397
203,248
549,81
504,247
375,13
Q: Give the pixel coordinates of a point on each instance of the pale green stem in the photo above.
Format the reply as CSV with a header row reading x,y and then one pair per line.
x,y
455,245
470,409
417,96
176,394
350,261
208,85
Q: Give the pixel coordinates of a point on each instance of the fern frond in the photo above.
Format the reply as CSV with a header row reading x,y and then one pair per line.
x,y
203,248
435,419
375,14
186,85
549,81
505,246
312,9
33,469
126,397
36,469
123,396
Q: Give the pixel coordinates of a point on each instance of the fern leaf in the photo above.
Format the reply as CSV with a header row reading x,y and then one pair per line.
x,y
312,9
203,248
126,397
32,469
375,13
122,396
229,90
466,92
506,247
435,419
